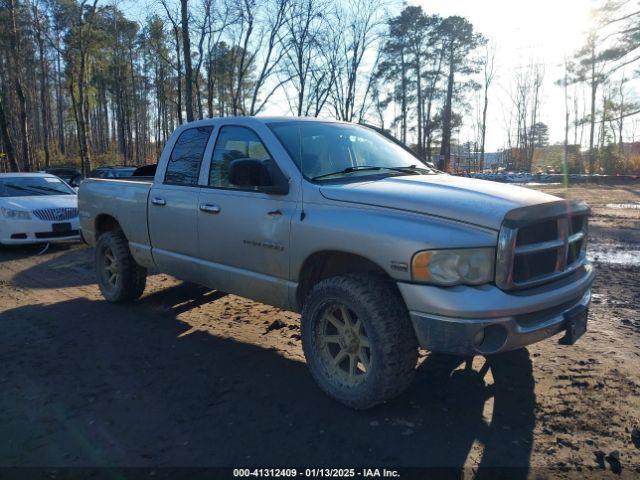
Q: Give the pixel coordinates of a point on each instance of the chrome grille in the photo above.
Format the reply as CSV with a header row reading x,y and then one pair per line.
x,y
56,214
535,251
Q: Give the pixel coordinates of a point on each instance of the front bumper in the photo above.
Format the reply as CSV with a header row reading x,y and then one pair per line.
x,y
25,232
455,320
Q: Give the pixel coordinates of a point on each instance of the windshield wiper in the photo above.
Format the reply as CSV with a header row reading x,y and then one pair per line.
x,y
412,168
360,168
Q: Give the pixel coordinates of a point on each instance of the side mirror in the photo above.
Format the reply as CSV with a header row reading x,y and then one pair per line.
x,y
264,176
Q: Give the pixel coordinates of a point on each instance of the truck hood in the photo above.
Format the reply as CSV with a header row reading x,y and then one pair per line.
x,y
479,202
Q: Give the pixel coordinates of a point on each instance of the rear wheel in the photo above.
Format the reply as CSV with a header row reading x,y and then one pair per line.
x,y
119,277
358,340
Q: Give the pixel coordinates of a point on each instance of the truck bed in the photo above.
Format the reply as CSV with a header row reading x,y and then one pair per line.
x,y
124,199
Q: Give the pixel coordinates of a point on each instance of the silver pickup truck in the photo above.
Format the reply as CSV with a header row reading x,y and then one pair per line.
x,y
380,252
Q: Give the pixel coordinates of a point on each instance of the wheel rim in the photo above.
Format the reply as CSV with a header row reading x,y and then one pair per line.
x,y
109,268
344,344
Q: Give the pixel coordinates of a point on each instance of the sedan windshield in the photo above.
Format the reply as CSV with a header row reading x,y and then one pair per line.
x,y
33,186
325,151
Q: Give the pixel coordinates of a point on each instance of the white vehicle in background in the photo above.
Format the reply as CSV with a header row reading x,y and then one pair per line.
x,y
37,208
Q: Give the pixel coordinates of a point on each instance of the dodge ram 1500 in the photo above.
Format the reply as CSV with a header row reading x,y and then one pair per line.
x,y
379,252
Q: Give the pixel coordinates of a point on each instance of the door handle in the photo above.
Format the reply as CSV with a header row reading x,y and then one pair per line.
x,y
158,201
274,213
209,208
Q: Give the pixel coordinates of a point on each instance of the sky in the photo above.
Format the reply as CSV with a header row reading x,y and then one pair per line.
x,y
524,32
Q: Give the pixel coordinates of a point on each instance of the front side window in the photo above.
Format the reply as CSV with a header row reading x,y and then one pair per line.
x,y
186,157
32,186
337,150
234,143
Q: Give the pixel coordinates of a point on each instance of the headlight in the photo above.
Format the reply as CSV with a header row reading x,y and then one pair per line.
x,y
471,266
15,214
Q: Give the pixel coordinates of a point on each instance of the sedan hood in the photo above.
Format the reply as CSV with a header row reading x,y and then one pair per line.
x,y
479,202
39,202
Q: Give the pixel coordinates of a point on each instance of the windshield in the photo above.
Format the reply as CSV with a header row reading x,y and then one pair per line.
x,y
33,186
336,150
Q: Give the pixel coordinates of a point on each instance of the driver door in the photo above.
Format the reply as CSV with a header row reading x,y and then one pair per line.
x,y
243,233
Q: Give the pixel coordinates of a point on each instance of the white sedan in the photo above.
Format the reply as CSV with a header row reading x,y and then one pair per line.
x,y
37,208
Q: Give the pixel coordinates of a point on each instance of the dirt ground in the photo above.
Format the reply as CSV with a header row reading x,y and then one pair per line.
x,y
193,377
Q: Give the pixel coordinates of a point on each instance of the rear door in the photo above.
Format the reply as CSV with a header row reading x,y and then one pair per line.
x,y
173,206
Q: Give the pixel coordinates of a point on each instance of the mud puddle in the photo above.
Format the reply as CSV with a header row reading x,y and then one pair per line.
x,y
615,254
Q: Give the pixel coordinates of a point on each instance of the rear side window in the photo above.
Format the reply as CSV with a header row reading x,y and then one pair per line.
x,y
186,157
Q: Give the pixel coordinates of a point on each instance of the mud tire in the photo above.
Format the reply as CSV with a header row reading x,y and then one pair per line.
x,y
393,345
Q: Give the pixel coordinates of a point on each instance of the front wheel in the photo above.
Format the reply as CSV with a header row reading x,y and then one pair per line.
x,y
358,340
119,277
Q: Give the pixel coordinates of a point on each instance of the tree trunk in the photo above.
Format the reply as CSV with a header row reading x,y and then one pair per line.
x,y
575,117
403,98
565,152
592,126
81,120
419,101
24,126
179,75
6,139
16,68
188,70
136,113
431,96
603,120
210,89
428,129
483,133
242,67
44,100
445,149
60,106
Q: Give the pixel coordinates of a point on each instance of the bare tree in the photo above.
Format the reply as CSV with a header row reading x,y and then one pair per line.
x,y
204,34
565,150
273,55
536,87
525,97
78,44
177,66
39,26
15,40
307,62
488,70
6,138
218,22
356,29
188,69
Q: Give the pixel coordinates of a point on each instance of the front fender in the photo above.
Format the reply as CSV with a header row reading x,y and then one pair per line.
x,y
386,237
